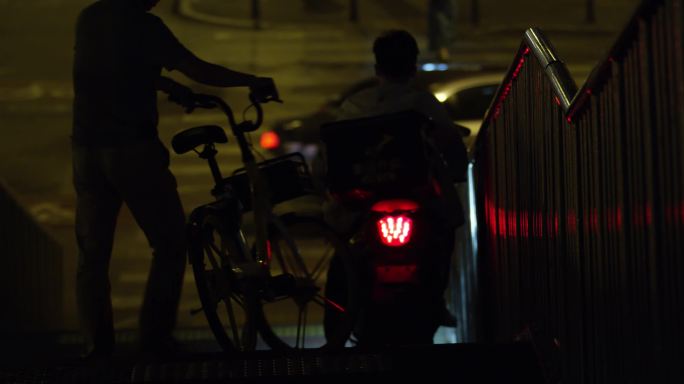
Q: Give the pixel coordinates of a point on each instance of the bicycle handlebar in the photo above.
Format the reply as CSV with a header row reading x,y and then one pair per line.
x,y
212,101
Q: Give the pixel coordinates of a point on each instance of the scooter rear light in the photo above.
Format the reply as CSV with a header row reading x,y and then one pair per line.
x,y
395,231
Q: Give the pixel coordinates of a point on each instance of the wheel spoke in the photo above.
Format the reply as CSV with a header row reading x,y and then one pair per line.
x,y
295,261
210,251
278,251
233,323
218,251
301,326
304,248
324,301
323,261
304,310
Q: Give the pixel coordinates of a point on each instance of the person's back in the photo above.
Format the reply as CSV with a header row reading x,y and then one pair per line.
x,y
396,55
387,97
119,53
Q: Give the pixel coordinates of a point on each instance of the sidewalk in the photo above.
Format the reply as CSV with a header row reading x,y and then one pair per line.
x,y
481,363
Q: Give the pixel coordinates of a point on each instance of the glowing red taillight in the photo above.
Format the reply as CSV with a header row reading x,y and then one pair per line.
x,y
269,140
395,231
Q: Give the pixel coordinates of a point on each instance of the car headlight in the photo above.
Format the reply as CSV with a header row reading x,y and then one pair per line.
x,y
294,124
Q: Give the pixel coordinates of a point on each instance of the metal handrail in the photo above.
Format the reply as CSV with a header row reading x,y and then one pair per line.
x,y
555,69
535,42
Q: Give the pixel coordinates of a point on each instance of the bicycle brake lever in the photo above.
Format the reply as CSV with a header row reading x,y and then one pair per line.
x,y
261,99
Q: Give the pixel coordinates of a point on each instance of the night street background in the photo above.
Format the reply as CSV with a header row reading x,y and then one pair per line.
x,y
311,54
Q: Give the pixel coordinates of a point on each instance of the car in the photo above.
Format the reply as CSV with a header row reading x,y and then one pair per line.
x,y
465,90
467,99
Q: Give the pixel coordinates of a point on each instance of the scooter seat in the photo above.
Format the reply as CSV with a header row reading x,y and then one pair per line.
x,y
192,137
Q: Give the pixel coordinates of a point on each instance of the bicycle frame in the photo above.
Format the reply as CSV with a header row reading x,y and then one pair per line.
x,y
262,207
241,274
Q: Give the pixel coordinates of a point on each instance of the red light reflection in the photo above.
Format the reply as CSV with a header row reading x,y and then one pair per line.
x,y
509,85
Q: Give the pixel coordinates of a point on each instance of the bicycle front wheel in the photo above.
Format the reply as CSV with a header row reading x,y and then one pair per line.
x,y
304,310
216,254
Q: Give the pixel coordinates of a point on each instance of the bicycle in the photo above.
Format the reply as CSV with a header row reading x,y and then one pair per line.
x,y
259,278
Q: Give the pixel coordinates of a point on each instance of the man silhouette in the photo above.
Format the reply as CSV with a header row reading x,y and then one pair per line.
x,y
117,158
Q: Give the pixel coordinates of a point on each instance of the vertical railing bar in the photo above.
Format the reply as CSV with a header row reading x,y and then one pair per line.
x,y
672,226
603,153
596,239
622,237
663,138
647,93
640,199
677,12
583,218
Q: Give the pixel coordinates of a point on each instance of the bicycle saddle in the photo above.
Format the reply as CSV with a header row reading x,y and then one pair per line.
x,y
192,137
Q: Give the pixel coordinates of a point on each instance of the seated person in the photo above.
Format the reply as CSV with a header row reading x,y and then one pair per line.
x,y
396,54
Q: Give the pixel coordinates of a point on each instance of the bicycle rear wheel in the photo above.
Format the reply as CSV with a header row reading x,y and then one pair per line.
x,y
302,311
216,254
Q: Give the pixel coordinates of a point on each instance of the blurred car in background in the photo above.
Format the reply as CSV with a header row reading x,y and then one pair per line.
x,y
466,100
465,90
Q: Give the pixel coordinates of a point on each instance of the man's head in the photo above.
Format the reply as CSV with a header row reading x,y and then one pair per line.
x,y
149,4
396,54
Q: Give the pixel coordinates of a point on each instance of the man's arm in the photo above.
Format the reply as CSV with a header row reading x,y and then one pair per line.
x,y
178,93
172,55
215,75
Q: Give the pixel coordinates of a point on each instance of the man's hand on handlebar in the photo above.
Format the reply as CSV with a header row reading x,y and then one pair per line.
x,y
190,100
182,96
263,90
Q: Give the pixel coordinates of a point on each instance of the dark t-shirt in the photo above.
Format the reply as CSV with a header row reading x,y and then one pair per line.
x,y
119,53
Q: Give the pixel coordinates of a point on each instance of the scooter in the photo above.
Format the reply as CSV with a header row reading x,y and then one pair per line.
x,y
381,178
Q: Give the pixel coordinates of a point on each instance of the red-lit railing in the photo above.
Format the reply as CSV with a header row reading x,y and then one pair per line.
x,y
518,173
581,206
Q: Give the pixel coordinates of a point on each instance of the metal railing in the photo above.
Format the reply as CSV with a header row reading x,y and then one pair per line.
x,y
31,271
581,206
518,172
